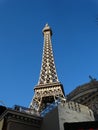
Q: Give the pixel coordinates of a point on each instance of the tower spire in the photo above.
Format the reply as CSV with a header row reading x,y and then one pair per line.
x,y
49,88
48,72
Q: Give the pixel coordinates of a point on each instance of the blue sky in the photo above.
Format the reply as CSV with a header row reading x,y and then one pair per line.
x,y
74,40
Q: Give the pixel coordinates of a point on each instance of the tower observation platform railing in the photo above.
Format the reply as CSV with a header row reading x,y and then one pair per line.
x,y
25,110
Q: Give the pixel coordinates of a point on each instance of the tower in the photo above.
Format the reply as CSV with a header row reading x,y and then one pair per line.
x,y
49,89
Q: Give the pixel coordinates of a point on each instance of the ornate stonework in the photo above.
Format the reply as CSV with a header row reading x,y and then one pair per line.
x,y
14,119
87,95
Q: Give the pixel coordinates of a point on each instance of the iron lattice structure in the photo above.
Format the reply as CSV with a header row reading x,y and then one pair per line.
x,y
49,89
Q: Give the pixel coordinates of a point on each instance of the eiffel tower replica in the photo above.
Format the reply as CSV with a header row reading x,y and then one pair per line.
x,y
49,89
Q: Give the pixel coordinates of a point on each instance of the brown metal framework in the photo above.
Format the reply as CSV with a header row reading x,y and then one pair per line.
x,y
49,89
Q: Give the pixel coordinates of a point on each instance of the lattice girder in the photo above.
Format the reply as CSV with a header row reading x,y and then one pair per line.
x,y
44,95
48,72
49,88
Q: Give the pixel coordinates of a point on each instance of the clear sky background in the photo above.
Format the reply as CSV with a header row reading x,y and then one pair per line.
x,y
74,40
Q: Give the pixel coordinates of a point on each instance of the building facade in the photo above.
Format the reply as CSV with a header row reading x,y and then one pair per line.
x,y
86,94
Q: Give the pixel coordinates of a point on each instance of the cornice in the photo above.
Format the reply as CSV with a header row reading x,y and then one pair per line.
x,y
20,117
